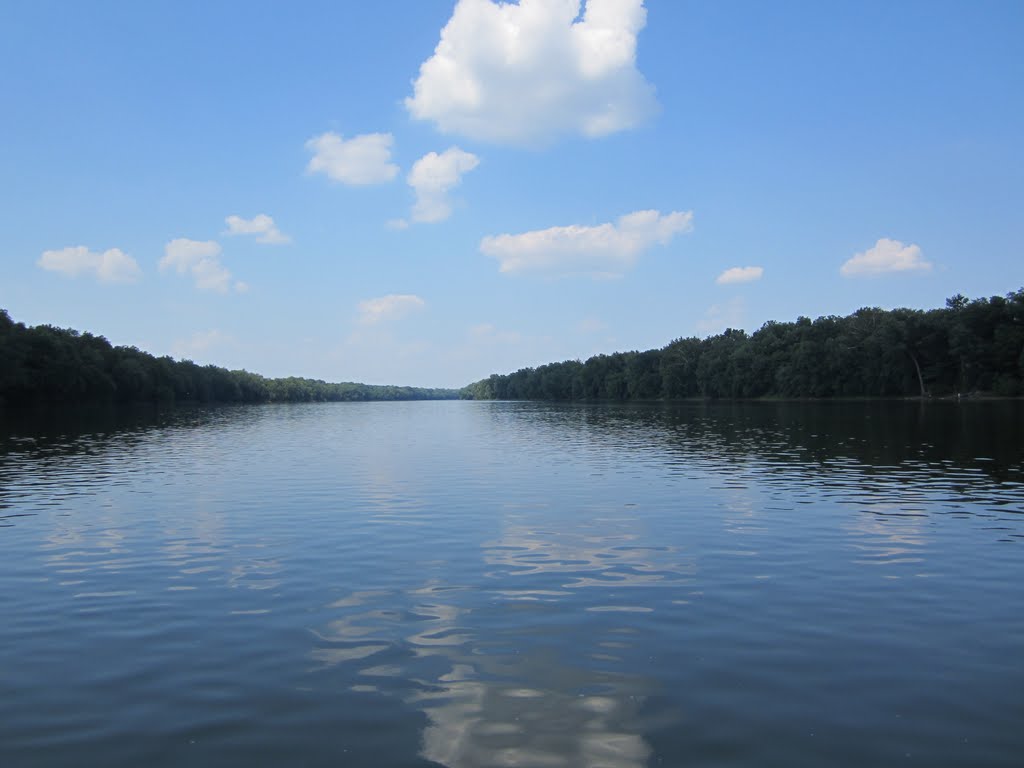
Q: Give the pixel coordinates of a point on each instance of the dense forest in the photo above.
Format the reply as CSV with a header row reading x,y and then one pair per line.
x,y
45,365
964,348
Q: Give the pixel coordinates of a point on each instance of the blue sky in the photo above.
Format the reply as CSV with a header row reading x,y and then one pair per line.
x,y
428,192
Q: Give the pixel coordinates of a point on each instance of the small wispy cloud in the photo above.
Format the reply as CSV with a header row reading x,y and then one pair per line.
x,y
359,161
605,250
390,307
201,260
110,266
591,324
200,343
886,256
491,334
740,275
260,225
718,317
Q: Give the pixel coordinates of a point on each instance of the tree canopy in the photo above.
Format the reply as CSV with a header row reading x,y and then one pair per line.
x,y
44,364
967,346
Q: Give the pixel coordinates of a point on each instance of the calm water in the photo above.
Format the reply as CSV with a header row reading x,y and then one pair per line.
x,y
512,584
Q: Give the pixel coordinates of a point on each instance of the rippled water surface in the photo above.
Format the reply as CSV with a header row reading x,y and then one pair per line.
x,y
514,584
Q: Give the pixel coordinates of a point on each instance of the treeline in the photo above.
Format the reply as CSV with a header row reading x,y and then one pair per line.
x,y
44,364
965,347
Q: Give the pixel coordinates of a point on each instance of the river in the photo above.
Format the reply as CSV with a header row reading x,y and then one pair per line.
x,y
514,584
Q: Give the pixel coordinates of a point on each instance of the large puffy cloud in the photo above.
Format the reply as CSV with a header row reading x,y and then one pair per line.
x,y
201,259
606,250
261,225
529,72
433,176
390,307
110,266
886,256
359,161
740,275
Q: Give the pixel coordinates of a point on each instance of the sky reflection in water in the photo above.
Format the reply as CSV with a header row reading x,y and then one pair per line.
x,y
515,584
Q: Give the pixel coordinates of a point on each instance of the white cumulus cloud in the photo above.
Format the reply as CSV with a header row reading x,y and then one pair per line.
x,y
886,256
200,259
527,73
390,307
359,161
433,176
261,225
110,266
605,250
740,275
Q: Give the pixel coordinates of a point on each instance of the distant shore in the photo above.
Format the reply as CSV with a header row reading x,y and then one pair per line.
x,y
974,348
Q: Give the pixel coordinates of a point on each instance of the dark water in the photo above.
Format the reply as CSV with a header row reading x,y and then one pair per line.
x,y
508,584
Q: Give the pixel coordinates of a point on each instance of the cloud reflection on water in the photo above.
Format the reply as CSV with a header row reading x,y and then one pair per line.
x,y
493,675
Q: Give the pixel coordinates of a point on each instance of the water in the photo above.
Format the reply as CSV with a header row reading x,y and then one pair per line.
x,y
514,584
